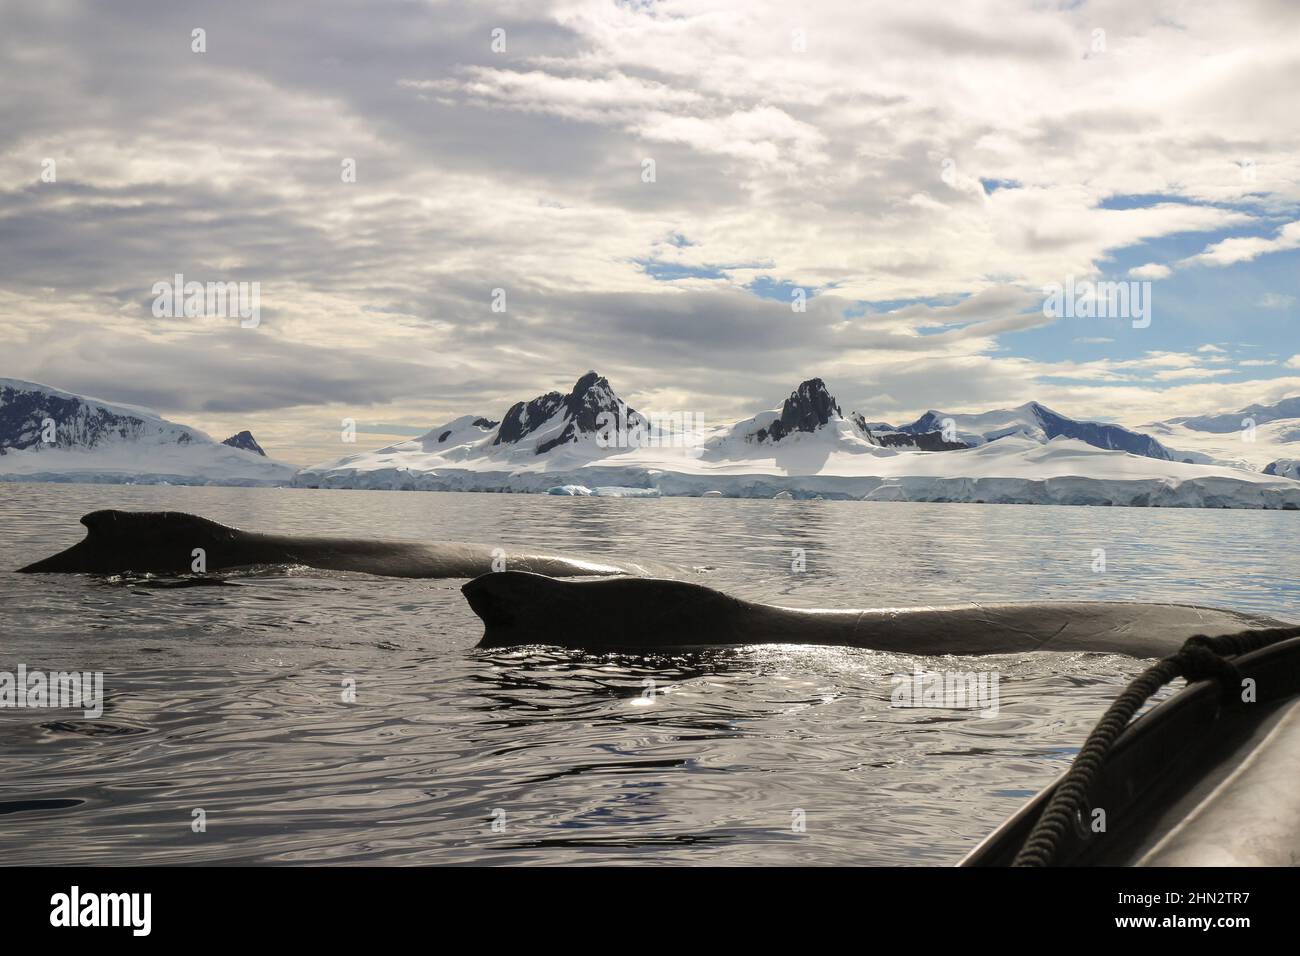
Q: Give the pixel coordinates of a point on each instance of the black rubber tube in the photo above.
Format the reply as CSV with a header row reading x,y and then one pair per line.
x,y
1201,658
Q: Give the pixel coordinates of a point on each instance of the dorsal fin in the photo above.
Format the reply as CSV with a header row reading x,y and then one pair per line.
x,y
110,524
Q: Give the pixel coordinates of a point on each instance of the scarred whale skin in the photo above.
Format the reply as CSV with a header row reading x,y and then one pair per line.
x,y
647,613
164,541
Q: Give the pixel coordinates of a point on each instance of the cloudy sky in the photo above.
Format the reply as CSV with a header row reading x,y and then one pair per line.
x,y
922,171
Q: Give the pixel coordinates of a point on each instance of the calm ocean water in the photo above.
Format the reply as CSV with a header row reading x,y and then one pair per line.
x,y
229,699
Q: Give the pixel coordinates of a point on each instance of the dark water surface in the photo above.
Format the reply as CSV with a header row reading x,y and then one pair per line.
x,y
229,699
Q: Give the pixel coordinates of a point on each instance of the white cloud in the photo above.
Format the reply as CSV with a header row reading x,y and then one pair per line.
x,y
614,96
762,134
1152,270
1169,375
1245,248
1275,300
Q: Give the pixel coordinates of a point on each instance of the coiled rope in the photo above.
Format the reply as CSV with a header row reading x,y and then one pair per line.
x,y
1201,658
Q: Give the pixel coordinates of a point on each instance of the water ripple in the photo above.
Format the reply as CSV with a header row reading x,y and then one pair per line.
x,y
305,717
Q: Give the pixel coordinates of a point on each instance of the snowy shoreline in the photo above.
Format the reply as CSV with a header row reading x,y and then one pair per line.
x,y
1216,492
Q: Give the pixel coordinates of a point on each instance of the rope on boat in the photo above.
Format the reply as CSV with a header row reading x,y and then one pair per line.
x,y
1201,658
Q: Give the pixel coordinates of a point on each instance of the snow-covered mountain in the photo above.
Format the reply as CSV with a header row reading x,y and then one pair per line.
x,y
810,407
808,421
882,433
553,420
806,448
589,438
457,433
1288,408
812,416
1253,437
555,430
47,434
1038,423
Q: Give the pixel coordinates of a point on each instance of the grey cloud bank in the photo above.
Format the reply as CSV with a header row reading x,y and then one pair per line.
x,y
845,168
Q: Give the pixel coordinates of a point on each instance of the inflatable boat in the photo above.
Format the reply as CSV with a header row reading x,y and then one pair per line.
x,y
1208,777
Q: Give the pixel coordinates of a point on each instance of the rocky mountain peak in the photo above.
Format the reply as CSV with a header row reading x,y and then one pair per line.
x,y
809,407
246,441
581,412
591,395
525,417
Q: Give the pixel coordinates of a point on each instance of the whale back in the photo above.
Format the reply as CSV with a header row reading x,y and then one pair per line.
x,y
518,607
648,613
166,541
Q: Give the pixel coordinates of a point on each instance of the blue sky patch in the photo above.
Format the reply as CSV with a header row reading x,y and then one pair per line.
x,y
993,185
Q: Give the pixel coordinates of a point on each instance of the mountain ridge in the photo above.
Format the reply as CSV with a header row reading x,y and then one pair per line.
x,y
49,434
1223,422
1034,419
1028,454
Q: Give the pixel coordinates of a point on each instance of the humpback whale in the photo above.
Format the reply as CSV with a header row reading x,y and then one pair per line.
x,y
165,542
648,613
